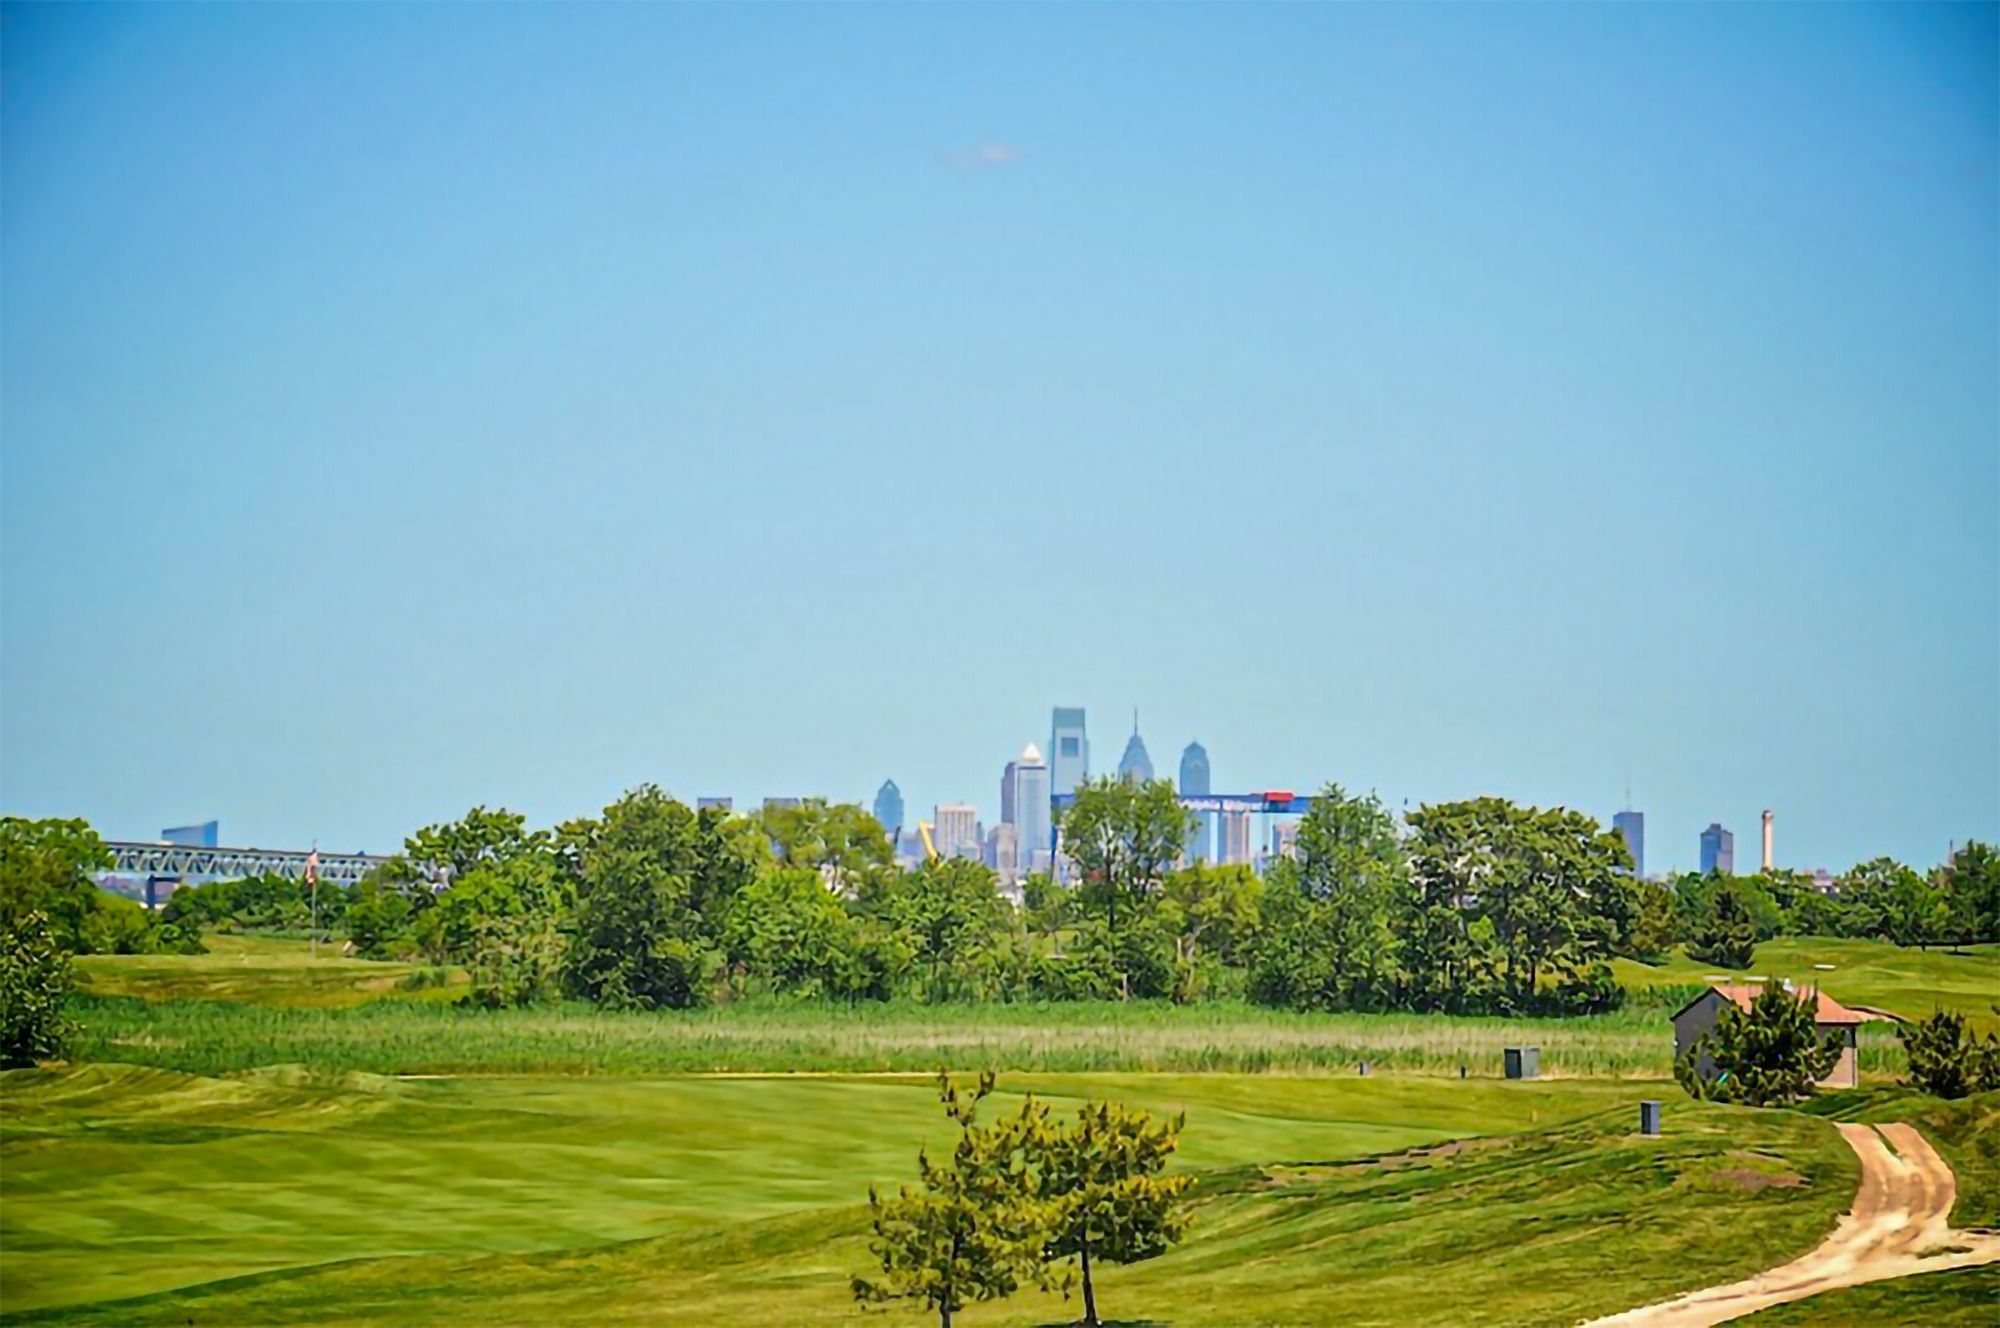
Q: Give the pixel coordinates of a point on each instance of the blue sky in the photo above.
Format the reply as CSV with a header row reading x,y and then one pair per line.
x,y
408,407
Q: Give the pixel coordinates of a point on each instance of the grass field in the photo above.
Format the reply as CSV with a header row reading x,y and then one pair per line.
x,y
1910,983
1962,1299
735,1199
234,1148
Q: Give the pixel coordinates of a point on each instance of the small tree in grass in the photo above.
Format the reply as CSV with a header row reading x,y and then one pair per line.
x,y
1771,1054
971,1229
1946,1060
1728,937
34,979
1106,1199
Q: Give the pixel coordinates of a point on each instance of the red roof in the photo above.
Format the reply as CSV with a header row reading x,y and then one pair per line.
x,y
1830,1011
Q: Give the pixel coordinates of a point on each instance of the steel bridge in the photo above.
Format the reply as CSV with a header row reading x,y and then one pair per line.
x,y
182,862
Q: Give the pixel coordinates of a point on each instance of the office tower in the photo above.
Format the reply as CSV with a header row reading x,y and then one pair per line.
x,y
1284,837
1002,855
206,835
1632,825
1030,804
714,804
1135,767
1194,783
1069,749
889,808
956,829
1718,851
1007,791
1232,837
1769,816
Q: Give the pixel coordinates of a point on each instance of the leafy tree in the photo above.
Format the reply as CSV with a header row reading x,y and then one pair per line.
x,y
1106,1199
1767,1056
787,927
840,839
515,958
45,868
1654,927
970,1230
1946,1060
1970,883
34,982
1211,915
376,914
1046,905
947,911
494,891
1327,940
1124,838
1889,901
1727,939
477,839
637,939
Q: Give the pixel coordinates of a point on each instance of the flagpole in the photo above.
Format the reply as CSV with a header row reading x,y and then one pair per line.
x,y
312,888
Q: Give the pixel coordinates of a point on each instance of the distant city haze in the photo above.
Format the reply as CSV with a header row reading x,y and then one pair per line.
x,y
403,408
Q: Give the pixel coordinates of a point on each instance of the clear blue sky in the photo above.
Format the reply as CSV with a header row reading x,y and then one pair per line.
x,y
408,407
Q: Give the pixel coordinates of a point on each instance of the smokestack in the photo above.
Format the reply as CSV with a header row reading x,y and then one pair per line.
x,y
1769,816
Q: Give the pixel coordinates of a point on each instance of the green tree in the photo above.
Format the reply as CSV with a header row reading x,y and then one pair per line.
x,y
1327,940
787,928
1211,913
841,839
34,983
949,912
1654,926
1727,938
480,838
1105,1198
1767,1056
970,1230
1946,1060
1970,883
1046,905
1124,838
1889,901
377,913
45,868
637,939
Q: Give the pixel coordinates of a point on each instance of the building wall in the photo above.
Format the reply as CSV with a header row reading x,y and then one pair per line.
x,y
1069,749
1700,1017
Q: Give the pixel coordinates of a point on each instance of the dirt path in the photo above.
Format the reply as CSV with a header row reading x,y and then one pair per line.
x,y
1900,1224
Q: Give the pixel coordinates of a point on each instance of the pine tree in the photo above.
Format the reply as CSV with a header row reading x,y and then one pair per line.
x,y
1105,1199
1769,1055
1728,938
971,1229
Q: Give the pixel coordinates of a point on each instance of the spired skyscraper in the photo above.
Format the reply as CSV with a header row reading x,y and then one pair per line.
x,y
1194,783
1028,798
1632,825
1069,749
889,808
1135,766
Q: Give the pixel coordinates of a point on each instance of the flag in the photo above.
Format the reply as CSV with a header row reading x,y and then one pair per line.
x,y
312,869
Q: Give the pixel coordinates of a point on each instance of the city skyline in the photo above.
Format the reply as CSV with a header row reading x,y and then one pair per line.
x,y
361,485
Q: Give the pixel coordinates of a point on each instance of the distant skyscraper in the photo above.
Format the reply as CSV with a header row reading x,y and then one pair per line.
x,y
1718,850
1769,861
1069,749
956,829
1232,837
206,835
1135,766
1001,853
1029,802
889,807
1007,791
1194,783
1284,837
1632,825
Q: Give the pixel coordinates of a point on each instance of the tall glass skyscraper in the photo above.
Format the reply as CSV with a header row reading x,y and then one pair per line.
x,y
889,808
1718,850
1069,749
1135,766
1030,798
1194,782
1632,825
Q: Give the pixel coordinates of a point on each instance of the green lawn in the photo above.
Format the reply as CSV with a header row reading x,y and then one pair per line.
x,y
1965,1298
735,1199
1910,983
262,970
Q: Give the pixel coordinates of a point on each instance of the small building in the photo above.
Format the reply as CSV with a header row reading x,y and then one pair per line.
x,y
1699,1015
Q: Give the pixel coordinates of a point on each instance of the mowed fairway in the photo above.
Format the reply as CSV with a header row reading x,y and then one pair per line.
x,y
382,1172
727,1200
